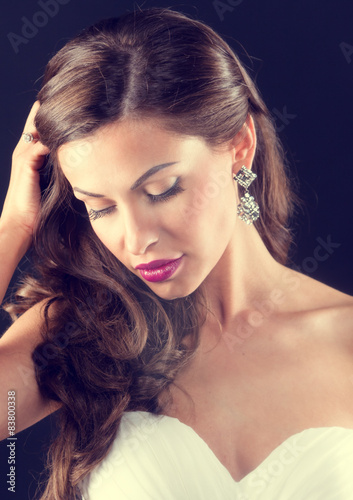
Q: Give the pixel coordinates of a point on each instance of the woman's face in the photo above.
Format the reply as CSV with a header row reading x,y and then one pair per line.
x,y
143,212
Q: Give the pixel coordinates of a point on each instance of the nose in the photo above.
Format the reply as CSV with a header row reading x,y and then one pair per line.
x,y
140,230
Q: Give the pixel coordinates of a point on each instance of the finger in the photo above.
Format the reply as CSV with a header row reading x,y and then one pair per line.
x,y
31,154
40,150
37,148
29,125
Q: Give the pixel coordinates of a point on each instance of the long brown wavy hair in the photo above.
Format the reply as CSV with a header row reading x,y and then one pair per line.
x,y
112,344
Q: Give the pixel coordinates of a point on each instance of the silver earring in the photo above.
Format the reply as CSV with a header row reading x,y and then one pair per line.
x,y
248,210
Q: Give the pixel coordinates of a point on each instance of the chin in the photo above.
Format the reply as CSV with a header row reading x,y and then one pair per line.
x,y
173,293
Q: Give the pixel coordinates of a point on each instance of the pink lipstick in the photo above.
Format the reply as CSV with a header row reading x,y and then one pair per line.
x,y
159,270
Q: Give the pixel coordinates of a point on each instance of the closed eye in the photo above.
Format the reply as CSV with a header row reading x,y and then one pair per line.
x,y
173,191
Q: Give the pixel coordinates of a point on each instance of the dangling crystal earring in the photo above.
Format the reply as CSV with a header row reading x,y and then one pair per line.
x,y
248,210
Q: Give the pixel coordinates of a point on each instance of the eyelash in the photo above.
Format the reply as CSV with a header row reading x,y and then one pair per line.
x,y
173,191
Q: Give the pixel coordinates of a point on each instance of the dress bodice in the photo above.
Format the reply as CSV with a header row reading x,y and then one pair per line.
x,y
157,457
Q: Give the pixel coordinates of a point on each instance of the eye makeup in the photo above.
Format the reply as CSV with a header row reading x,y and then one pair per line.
x,y
173,191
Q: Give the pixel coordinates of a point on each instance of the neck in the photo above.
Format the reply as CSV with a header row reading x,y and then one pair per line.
x,y
245,276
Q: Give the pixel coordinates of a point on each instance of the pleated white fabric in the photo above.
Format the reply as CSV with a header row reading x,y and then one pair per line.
x,y
157,457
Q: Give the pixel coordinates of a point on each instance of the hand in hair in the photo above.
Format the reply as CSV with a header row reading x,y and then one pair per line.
x,y
22,201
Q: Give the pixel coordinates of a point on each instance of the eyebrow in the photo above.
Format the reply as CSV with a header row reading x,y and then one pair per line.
x,y
136,184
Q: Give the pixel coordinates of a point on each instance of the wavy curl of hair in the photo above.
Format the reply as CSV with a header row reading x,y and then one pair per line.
x,y
112,344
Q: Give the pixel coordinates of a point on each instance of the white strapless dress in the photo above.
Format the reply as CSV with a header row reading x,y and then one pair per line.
x,y
157,457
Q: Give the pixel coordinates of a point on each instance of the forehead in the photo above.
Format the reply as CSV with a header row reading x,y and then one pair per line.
x,y
126,143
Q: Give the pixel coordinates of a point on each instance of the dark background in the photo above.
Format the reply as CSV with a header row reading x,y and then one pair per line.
x,y
301,56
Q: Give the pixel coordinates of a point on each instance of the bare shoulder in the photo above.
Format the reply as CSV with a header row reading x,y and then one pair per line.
x,y
341,321
327,309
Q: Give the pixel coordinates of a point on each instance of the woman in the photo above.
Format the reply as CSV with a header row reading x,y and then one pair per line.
x,y
217,373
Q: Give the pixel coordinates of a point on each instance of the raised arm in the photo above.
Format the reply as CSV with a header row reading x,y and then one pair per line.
x,y
17,223
20,211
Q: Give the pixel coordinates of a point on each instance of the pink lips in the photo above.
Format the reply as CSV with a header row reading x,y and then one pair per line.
x,y
159,270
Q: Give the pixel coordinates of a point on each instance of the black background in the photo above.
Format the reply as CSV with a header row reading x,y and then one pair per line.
x,y
301,56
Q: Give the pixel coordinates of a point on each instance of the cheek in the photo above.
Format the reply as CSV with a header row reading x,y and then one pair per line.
x,y
210,203
206,218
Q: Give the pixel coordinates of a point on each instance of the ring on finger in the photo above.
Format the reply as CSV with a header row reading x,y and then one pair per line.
x,y
27,137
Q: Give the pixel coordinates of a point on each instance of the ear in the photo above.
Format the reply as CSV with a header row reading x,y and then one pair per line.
x,y
244,146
